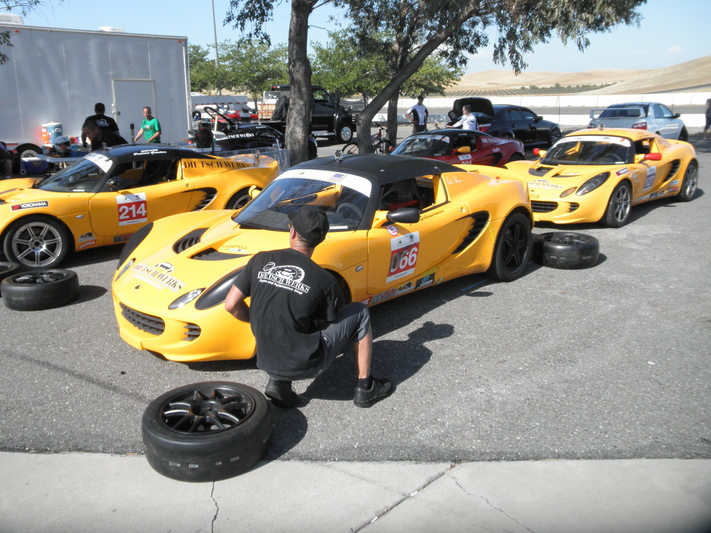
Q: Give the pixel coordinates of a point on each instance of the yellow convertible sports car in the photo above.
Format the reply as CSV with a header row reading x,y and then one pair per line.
x,y
106,196
397,224
597,175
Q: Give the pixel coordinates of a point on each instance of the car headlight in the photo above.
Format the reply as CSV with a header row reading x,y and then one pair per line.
x,y
217,294
185,299
593,183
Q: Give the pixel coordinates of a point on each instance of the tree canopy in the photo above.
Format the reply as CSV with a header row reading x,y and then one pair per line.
x,y
419,28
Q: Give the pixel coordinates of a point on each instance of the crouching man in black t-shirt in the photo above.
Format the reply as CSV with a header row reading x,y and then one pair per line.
x,y
298,316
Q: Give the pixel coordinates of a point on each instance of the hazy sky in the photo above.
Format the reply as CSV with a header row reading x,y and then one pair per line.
x,y
671,32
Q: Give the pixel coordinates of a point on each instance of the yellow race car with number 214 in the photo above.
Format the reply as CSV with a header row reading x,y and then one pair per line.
x,y
103,198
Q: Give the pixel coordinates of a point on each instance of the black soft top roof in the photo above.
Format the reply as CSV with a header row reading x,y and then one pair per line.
x,y
126,153
381,169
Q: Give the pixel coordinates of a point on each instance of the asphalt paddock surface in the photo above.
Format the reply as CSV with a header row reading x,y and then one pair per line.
x,y
609,362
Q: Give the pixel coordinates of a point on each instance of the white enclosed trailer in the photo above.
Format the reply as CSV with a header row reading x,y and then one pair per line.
x,y
57,75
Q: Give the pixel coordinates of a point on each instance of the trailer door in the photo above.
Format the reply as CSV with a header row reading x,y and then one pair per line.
x,y
130,97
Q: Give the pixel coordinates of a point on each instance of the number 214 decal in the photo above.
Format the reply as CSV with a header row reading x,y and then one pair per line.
x,y
132,209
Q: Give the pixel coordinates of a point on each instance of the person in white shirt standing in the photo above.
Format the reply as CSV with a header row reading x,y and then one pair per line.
x,y
418,114
468,120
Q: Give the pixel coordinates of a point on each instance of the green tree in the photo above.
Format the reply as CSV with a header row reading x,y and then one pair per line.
x,y
202,69
455,28
254,67
340,64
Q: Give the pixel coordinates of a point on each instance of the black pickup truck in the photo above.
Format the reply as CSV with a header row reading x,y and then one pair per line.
x,y
328,117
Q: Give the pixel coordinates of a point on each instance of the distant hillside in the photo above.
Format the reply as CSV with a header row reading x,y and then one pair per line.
x,y
690,76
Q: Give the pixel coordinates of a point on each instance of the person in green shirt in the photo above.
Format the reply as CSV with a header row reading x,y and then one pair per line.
x,y
150,127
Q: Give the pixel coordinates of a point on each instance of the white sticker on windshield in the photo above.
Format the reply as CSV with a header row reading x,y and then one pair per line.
x,y
357,183
100,160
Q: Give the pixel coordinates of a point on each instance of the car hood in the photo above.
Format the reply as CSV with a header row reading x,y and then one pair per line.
x,y
539,176
20,191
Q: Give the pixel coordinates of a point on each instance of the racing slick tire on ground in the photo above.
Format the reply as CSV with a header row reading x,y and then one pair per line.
x,y
39,289
565,250
513,248
206,431
7,268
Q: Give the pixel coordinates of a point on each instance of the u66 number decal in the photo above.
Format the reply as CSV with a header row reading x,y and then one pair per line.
x,y
132,209
404,250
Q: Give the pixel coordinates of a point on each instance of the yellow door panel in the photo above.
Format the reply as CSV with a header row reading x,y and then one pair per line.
x,y
118,213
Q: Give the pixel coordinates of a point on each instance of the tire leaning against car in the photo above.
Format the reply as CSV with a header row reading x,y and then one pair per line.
x,y
206,431
565,250
39,289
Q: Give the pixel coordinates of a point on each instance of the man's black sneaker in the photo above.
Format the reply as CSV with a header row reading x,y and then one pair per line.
x,y
281,393
381,388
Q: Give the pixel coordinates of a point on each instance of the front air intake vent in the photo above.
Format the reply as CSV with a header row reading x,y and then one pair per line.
x,y
543,207
210,254
191,239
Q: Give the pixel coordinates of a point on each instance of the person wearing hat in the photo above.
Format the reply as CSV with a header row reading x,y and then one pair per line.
x,y
298,316
102,121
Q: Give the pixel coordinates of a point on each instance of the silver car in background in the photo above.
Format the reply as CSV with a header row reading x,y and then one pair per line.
x,y
651,116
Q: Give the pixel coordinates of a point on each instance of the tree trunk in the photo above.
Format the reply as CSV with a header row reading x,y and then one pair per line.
x,y
298,119
392,119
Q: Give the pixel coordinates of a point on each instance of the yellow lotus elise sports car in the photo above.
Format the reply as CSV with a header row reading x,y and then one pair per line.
x,y
597,175
397,224
107,195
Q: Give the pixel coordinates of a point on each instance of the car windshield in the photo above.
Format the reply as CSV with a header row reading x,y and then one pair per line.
x,y
424,146
612,112
82,176
588,150
343,196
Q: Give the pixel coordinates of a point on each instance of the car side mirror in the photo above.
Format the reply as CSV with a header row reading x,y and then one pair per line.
x,y
464,149
538,118
254,191
676,115
538,152
404,215
654,156
113,183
